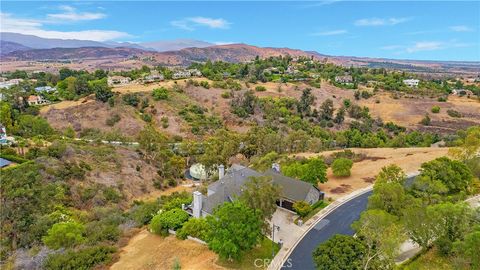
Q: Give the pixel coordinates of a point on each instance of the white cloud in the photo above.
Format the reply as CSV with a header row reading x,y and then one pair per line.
x,y
224,42
330,33
191,23
461,28
9,23
70,14
425,46
380,21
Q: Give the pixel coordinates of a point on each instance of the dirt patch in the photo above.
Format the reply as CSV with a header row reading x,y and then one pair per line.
x,y
150,251
343,188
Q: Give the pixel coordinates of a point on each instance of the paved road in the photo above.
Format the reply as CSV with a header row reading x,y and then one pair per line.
x,y
337,222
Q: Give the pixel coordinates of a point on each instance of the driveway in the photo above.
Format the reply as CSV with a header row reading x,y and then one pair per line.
x,y
337,222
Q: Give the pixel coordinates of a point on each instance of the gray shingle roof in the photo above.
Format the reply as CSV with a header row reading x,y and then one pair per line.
x,y
230,186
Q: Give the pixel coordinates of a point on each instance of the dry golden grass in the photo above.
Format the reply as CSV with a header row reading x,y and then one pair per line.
x,y
363,172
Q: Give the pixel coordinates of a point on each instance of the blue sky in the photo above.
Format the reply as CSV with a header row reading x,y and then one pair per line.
x,y
428,30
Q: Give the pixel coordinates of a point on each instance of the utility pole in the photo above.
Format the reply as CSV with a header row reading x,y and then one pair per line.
x,y
274,227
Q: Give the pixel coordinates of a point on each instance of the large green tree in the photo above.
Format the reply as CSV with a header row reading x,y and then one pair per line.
x,y
340,252
233,229
452,173
261,193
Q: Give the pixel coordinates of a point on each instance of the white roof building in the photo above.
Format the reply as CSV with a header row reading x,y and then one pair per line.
x,y
411,82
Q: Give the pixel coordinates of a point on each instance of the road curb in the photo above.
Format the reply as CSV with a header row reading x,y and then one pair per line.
x,y
330,208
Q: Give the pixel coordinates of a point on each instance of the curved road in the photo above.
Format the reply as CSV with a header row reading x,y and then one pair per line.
x,y
337,222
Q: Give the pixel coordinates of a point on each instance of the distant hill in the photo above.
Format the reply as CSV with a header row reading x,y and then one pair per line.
x,y
228,53
8,47
47,43
72,53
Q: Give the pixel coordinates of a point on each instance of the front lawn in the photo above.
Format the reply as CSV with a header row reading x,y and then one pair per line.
x,y
253,259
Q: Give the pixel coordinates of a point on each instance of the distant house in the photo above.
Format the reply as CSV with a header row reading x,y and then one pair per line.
x,y
3,135
154,76
462,92
291,70
181,74
117,80
195,72
344,79
10,83
46,89
33,100
230,186
411,82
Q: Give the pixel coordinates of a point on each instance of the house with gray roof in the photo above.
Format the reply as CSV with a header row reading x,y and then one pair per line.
x,y
230,186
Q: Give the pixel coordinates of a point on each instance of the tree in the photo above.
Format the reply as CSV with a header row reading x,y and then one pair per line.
x,y
426,120
315,171
261,193
306,100
172,219
302,208
454,221
382,236
326,110
151,142
234,229
452,173
391,173
390,197
469,247
101,89
421,225
340,116
341,167
342,252
64,234
194,227
218,149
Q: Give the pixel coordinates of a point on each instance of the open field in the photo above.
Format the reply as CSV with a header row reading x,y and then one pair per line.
x,y
364,172
147,251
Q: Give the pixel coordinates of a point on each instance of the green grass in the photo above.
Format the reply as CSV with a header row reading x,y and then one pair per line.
x,y
256,255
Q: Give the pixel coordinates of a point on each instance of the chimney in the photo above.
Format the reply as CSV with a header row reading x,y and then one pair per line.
x,y
197,204
221,171
276,167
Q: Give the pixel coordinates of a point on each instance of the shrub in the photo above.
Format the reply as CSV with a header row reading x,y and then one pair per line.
x,y
160,93
64,234
142,212
302,208
164,121
426,120
83,259
435,109
341,167
147,117
172,219
453,113
113,120
226,94
205,84
131,99
194,227
260,88
442,99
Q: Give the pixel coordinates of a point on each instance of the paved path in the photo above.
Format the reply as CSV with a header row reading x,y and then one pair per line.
x,y
337,222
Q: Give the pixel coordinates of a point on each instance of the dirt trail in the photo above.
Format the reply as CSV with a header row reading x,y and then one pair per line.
x,y
364,172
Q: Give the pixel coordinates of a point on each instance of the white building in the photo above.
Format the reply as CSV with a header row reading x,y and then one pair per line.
x,y
47,89
411,82
10,83
195,72
181,74
36,100
118,80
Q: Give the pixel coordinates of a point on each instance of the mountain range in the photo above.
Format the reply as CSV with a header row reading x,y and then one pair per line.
x,y
14,46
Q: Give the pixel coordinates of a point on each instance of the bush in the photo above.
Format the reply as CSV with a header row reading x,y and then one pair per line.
x,y
172,219
194,227
260,88
160,93
341,167
83,259
426,120
131,99
64,234
453,113
142,212
435,109
205,84
147,117
302,208
442,99
226,95
113,120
